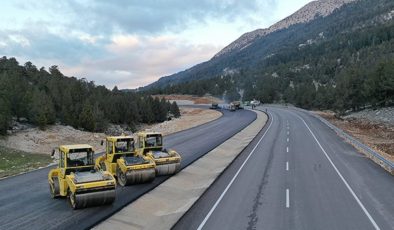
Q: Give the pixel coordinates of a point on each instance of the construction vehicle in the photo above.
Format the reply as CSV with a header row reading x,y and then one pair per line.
x,y
255,102
150,144
76,178
214,105
122,162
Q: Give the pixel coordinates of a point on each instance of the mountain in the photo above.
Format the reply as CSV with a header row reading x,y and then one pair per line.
x,y
309,12
330,54
306,14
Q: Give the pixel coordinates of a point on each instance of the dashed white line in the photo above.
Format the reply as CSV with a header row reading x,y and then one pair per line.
x,y
287,198
287,139
342,178
288,132
287,149
287,166
233,179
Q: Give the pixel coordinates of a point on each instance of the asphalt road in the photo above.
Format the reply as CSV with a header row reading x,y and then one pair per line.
x,y
297,174
25,201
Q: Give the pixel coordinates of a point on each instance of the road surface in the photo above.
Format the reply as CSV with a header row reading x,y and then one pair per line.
x,y
297,174
25,201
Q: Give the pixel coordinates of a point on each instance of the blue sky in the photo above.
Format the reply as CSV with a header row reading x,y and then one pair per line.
x,y
129,43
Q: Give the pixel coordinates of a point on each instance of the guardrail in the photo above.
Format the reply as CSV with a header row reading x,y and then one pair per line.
x,y
375,156
372,154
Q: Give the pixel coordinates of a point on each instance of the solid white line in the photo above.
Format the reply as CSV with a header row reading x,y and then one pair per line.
x,y
287,166
343,179
233,179
287,149
287,198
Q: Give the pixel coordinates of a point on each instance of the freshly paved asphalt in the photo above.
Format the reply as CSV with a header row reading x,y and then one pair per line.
x,y
25,201
324,177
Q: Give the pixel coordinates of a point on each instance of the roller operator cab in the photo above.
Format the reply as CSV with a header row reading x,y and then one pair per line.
x,y
76,178
150,144
121,161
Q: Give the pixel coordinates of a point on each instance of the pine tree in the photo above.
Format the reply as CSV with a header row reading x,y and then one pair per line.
x,y
175,110
41,109
86,118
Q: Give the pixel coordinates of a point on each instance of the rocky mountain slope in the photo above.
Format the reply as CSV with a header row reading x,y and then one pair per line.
x,y
305,14
342,61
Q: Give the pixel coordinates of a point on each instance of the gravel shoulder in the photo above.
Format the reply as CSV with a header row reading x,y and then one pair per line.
x,y
372,129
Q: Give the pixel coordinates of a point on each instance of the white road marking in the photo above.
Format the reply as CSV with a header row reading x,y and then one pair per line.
x,y
288,132
287,198
287,166
287,149
233,179
287,139
343,179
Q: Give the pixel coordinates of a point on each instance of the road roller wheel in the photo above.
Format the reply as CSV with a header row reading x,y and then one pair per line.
x,y
54,187
102,166
122,178
72,198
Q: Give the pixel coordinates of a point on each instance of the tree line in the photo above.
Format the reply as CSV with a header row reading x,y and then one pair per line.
x,y
46,97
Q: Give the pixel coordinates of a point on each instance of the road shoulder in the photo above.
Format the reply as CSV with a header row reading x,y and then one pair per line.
x,y
176,195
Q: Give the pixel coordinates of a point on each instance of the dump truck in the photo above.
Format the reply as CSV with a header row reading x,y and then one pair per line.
x,y
150,144
121,160
76,178
237,105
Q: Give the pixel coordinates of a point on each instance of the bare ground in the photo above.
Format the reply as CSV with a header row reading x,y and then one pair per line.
x,y
190,99
190,117
379,136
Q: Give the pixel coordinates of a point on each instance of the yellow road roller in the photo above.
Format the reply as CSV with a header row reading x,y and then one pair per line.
x,y
76,178
150,144
122,162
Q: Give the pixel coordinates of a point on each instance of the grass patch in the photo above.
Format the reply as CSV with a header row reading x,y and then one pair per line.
x,y
14,161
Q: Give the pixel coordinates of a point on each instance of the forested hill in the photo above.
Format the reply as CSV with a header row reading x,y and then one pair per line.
x,y
44,98
342,61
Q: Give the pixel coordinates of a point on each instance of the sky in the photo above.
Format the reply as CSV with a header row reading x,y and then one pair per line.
x,y
129,43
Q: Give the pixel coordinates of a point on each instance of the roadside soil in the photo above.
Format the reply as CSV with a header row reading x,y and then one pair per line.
x,y
190,117
23,147
379,136
190,99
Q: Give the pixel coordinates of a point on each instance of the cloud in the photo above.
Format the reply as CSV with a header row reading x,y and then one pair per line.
x,y
153,17
43,44
133,61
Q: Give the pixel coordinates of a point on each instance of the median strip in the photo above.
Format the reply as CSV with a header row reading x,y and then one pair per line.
x,y
162,207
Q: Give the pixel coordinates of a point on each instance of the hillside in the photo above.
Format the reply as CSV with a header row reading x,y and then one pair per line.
x,y
340,60
306,14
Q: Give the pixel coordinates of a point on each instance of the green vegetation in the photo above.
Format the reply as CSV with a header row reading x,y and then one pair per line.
x,y
13,161
48,97
344,61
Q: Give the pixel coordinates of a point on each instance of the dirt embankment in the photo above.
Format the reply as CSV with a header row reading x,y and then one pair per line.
x,y
33,140
190,117
189,99
377,135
